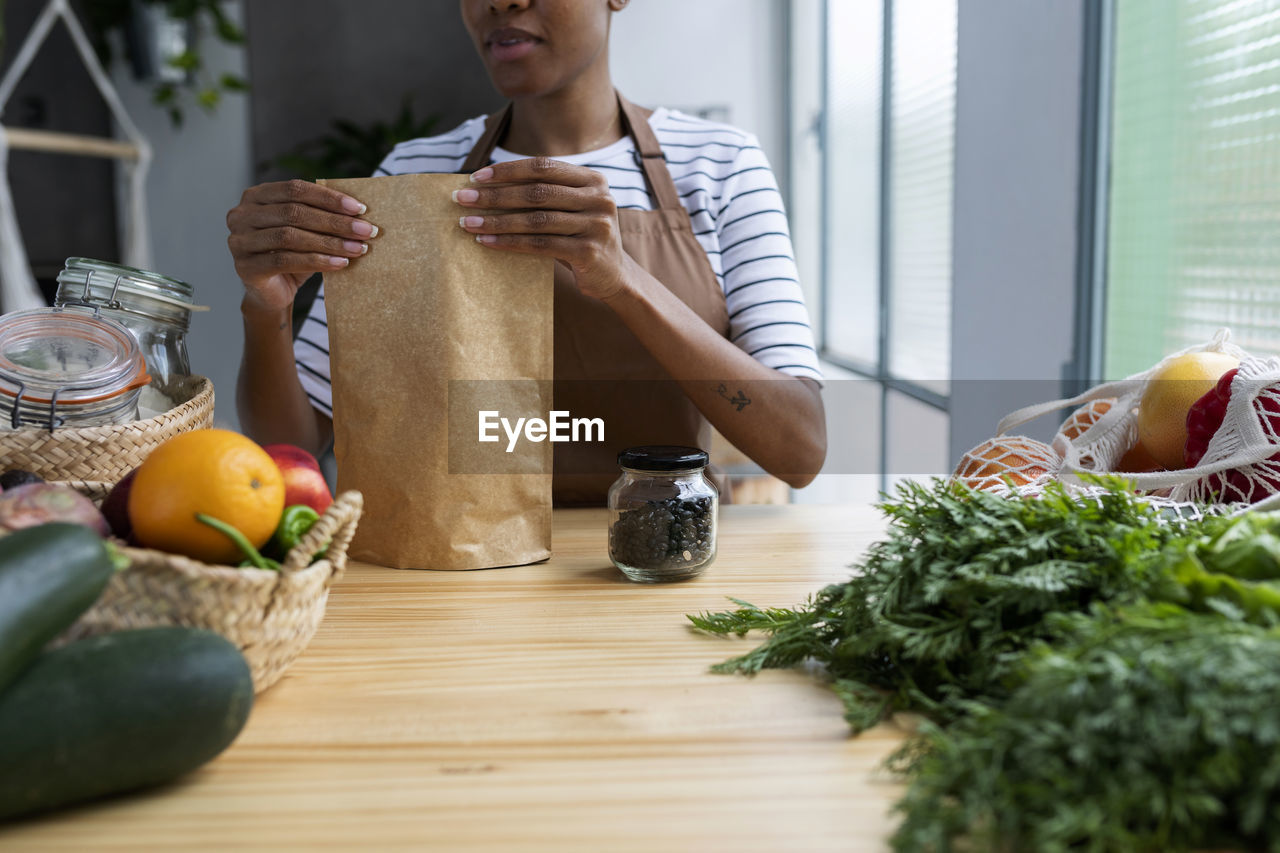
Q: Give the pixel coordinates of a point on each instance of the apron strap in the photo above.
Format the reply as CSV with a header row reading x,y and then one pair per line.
x,y
494,126
649,156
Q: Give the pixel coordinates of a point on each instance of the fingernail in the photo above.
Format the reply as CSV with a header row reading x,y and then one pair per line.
x,y
352,206
471,221
339,262
486,238
483,175
466,196
354,248
364,229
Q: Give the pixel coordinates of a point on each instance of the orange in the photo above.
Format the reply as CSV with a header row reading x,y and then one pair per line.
x,y
211,471
1020,459
1084,417
1162,411
1138,460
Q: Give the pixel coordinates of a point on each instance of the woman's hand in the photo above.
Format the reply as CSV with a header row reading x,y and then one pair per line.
x,y
545,207
283,233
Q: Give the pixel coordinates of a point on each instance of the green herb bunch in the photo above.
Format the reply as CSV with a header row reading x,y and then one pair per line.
x,y
940,610
1095,674
1144,730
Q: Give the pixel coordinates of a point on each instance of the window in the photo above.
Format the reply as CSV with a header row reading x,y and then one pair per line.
x,y
875,111
1193,233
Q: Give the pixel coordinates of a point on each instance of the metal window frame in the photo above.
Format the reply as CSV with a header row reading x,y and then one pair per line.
x,y
878,372
1097,79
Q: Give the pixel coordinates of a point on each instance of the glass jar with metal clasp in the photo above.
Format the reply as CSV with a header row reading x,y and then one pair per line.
x,y
662,513
155,308
62,368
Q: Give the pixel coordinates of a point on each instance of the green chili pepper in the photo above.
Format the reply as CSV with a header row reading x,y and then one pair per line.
x,y
253,557
295,521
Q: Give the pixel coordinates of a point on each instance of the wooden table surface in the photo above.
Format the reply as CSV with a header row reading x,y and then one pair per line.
x,y
554,707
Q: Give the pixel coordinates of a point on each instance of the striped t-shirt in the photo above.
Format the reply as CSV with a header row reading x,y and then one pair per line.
x,y
724,181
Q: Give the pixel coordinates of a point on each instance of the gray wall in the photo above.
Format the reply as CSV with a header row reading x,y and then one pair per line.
x,y
357,61
198,174
364,67
1016,189
696,54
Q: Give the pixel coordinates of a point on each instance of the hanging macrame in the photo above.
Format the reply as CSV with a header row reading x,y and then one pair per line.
x,y
18,289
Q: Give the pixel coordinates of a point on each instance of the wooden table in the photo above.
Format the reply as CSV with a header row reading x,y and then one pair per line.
x,y
555,707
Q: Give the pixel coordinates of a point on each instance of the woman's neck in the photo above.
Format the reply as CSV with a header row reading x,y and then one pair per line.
x,y
578,118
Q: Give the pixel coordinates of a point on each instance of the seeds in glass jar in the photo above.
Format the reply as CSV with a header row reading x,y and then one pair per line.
x,y
668,534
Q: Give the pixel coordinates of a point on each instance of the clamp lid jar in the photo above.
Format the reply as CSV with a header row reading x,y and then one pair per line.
x,y
662,514
155,308
63,368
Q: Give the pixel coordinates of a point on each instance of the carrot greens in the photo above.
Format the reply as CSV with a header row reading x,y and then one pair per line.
x,y
1095,673
940,609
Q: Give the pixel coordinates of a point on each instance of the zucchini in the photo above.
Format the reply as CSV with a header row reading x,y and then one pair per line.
x,y
49,575
118,712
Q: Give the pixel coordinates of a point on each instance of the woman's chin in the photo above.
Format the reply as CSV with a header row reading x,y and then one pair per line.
x,y
513,83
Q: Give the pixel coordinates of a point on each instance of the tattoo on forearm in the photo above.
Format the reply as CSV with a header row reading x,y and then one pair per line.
x,y
739,400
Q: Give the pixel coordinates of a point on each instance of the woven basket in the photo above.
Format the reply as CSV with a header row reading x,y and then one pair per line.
x,y
105,454
271,616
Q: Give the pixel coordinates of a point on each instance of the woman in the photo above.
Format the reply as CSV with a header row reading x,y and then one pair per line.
x,y
675,259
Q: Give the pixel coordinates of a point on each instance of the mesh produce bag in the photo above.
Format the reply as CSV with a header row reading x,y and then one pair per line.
x,y
1007,463
1106,445
1110,431
1170,510
1242,461
1238,470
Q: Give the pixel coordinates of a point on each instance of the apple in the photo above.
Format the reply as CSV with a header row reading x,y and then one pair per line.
x,y
303,481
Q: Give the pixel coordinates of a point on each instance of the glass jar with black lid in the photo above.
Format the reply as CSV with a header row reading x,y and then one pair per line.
x,y
662,514
155,308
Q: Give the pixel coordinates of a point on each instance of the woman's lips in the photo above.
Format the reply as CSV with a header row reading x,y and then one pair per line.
x,y
509,45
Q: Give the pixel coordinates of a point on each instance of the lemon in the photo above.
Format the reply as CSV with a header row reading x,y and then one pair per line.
x,y
1162,412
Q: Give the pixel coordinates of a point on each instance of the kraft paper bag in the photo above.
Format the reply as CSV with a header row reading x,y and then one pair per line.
x,y
426,332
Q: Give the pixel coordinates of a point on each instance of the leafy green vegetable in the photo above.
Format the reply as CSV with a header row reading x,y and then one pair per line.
x,y
1233,569
940,611
1138,730
1097,674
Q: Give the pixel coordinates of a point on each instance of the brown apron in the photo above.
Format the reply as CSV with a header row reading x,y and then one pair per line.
x,y
601,369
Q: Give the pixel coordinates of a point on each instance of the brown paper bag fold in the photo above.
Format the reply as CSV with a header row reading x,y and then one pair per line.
x,y
424,330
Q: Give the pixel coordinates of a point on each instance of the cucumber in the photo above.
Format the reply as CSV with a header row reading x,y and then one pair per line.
x,y
118,712
49,575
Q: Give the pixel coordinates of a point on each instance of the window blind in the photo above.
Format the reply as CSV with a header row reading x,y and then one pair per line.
x,y
852,152
1193,239
921,181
